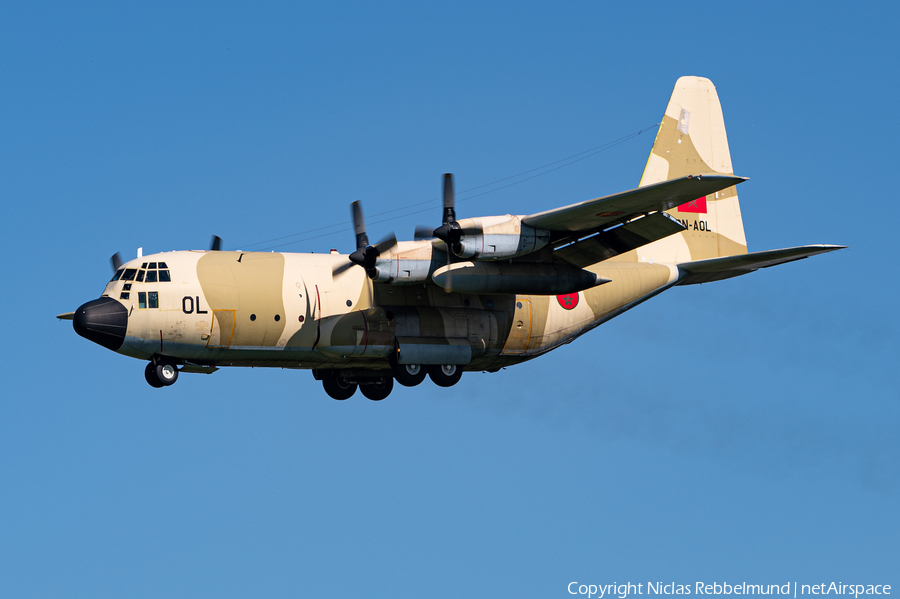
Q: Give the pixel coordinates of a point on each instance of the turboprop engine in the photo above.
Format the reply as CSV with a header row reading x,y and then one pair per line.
x,y
498,238
409,262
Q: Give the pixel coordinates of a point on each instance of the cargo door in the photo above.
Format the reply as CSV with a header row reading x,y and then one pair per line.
x,y
222,329
520,331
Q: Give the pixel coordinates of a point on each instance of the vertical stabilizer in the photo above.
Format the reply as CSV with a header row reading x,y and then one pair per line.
x,y
691,140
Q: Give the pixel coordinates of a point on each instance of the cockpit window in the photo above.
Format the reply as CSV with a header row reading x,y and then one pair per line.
x,y
164,276
151,276
129,273
117,275
163,265
152,266
140,276
144,265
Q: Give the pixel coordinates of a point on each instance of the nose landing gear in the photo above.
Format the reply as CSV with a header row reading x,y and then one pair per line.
x,y
160,374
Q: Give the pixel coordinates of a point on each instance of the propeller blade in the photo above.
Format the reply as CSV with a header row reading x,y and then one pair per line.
x,y
216,244
116,261
389,241
449,287
339,269
423,232
359,225
449,212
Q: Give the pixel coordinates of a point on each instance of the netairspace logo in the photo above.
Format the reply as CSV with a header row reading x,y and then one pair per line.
x,y
623,590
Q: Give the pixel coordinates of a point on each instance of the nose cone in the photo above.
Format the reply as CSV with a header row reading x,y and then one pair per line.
x,y
103,321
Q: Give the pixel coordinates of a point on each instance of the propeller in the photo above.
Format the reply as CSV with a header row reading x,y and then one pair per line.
x,y
449,232
365,255
116,261
216,244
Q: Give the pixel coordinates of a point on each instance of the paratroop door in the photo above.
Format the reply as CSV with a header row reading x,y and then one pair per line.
x,y
520,332
222,329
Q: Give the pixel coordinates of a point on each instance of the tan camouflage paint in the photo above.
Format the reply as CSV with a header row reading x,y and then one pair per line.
x,y
347,321
691,140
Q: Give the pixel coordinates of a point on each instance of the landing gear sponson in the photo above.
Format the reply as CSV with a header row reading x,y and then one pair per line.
x,y
378,384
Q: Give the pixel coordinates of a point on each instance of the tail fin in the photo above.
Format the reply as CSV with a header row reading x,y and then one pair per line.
x,y
691,140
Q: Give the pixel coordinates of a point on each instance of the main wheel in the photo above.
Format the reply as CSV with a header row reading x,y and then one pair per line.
x,y
166,372
150,375
337,388
408,375
445,375
380,390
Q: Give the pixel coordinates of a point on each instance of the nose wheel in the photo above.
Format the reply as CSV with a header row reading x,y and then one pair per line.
x,y
161,374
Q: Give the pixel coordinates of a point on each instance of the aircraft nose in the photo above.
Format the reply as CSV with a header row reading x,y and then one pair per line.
x,y
102,321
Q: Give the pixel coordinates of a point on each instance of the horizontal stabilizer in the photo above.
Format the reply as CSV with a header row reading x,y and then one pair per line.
x,y
619,240
716,269
608,210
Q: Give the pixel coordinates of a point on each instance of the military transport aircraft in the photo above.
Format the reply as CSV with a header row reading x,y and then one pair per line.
x,y
472,294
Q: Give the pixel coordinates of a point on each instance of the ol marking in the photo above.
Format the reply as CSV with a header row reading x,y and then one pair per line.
x,y
187,305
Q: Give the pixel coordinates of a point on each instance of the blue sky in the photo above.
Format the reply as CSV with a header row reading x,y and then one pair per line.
x,y
739,431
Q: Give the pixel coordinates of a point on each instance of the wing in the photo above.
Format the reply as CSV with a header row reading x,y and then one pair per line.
x,y
596,230
602,213
716,269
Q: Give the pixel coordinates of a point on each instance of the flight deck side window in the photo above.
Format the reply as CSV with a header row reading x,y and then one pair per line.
x,y
117,275
142,300
164,276
129,273
153,299
140,276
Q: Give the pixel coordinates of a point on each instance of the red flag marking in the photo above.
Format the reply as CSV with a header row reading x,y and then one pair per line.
x,y
698,206
568,301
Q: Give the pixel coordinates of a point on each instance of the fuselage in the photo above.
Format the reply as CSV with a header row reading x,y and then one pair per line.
x,y
223,308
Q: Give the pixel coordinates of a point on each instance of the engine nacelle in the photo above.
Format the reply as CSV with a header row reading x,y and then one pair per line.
x,y
500,237
408,262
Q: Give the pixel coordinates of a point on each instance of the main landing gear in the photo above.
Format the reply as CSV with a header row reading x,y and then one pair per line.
x,y
378,384
161,373
445,375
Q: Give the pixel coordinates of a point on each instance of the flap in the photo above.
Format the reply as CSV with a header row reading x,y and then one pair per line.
x,y
619,240
716,269
620,207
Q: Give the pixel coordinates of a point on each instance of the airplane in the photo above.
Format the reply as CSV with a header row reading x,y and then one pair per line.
x,y
475,294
